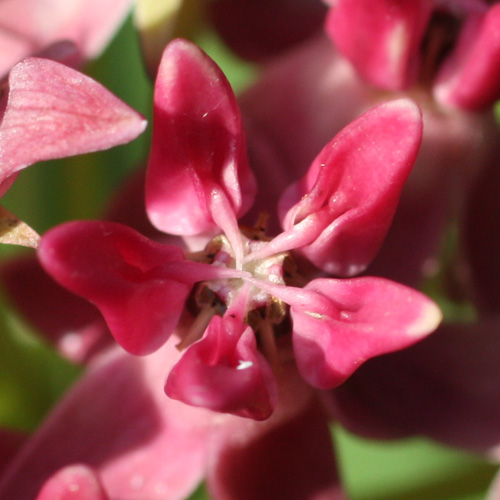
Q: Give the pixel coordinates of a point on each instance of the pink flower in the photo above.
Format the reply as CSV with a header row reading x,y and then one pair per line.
x,y
237,284
453,45
48,111
236,301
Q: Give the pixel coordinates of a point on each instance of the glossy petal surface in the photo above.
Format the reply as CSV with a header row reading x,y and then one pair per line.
x,y
224,372
198,176
134,281
353,320
339,213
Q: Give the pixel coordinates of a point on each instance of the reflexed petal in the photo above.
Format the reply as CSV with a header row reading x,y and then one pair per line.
x,y
118,421
353,320
75,482
381,38
198,175
52,111
339,213
140,286
470,77
224,372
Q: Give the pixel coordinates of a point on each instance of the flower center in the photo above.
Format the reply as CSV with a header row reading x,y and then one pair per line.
x,y
266,314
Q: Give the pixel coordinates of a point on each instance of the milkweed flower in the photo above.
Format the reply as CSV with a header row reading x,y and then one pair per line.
x,y
260,326
244,283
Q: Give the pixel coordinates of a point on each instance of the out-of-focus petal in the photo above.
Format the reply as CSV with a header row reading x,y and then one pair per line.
x,y
354,320
51,111
289,455
481,238
74,482
198,175
255,31
10,443
445,387
339,213
77,330
118,421
28,26
470,76
380,38
137,284
224,372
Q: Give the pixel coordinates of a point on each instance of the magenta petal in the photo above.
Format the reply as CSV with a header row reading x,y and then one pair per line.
x,y
128,277
343,206
470,77
118,421
354,320
224,372
198,153
380,38
52,111
74,482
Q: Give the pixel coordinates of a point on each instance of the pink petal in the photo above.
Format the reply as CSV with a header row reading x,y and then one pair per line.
x,y
75,482
118,421
52,111
198,175
470,77
224,372
136,283
381,38
353,320
343,206
445,387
